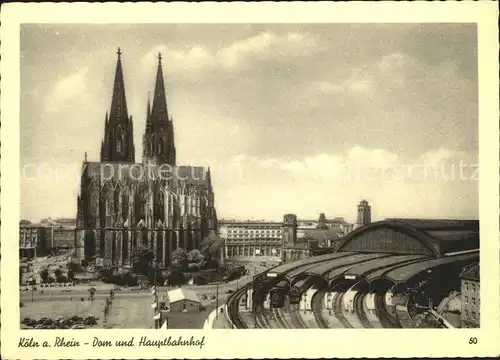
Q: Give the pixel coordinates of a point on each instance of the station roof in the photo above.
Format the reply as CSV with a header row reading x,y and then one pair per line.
x,y
322,269
354,263
405,273
444,230
300,283
314,259
441,235
383,263
334,273
471,273
380,272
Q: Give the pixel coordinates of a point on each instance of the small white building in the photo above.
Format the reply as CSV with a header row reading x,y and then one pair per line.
x,y
183,300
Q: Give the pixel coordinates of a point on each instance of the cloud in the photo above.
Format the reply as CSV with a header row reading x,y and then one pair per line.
x,y
328,182
69,87
443,155
239,55
434,157
392,73
379,158
318,167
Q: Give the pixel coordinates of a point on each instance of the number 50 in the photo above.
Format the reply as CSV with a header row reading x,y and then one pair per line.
x,y
473,340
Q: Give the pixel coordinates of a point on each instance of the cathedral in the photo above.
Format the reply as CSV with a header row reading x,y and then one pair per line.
x,y
155,204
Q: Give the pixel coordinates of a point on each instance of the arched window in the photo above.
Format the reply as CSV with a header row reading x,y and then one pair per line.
x,y
119,140
119,145
160,146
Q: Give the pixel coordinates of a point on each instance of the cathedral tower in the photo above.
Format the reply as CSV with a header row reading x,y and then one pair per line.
x,y
158,140
118,142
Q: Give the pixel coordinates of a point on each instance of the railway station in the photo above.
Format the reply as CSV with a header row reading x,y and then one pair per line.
x,y
384,274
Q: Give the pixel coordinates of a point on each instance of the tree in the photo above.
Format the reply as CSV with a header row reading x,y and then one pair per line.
x,y
141,260
210,248
44,275
62,279
195,256
176,278
57,273
71,275
180,259
105,274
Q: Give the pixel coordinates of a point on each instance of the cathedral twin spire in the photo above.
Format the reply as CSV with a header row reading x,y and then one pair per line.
x,y
158,139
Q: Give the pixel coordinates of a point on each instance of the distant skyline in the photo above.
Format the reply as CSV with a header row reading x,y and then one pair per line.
x,y
274,109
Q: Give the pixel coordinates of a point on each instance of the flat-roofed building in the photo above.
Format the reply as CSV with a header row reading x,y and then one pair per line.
x,y
29,240
41,239
251,238
470,294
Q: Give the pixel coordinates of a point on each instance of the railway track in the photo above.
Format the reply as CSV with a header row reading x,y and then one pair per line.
x,y
317,303
234,299
337,310
297,321
386,319
360,310
233,304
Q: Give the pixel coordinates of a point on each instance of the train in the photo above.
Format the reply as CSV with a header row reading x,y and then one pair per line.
x,y
278,293
298,289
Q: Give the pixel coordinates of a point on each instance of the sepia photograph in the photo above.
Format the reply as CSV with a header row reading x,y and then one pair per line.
x,y
174,172
279,176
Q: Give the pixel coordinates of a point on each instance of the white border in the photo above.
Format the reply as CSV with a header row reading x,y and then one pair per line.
x,y
264,343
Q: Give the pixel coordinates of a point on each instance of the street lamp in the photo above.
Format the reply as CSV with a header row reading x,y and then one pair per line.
x,y
32,289
254,304
217,299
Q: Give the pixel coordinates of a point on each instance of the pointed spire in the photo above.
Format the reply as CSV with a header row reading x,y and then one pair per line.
x,y
159,111
118,103
131,139
118,125
148,113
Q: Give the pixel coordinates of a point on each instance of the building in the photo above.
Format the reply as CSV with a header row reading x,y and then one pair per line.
x,y
300,243
62,238
364,213
414,236
59,222
304,226
42,238
251,238
302,238
397,256
267,238
470,296
29,240
155,204
183,300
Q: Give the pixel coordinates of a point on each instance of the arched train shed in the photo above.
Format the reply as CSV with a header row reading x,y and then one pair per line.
x,y
413,236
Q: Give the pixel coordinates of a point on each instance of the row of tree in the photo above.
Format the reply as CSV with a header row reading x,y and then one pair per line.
x,y
58,276
207,257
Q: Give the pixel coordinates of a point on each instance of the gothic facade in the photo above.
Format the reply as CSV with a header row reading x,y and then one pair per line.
x,y
155,204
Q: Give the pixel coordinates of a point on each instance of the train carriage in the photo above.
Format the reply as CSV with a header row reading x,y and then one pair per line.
x,y
298,289
278,293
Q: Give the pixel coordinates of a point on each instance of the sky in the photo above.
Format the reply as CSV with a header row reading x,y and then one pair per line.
x,y
291,118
